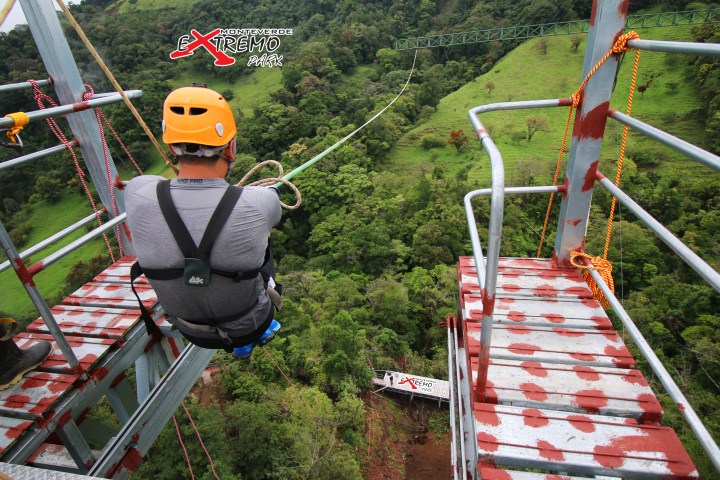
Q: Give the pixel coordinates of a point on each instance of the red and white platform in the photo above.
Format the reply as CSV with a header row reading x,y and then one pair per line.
x,y
562,394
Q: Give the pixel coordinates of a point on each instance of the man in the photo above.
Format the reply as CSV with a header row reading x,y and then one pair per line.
x,y
213,277
15,362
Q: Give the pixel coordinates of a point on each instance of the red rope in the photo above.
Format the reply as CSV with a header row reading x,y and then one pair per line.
x,y
197,432
41,98
187,457
108,169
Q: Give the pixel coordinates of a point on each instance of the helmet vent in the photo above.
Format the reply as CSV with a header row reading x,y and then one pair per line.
x,y
178,110
197,110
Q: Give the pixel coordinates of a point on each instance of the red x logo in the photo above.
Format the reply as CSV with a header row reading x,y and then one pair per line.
x,y
221,59
410,381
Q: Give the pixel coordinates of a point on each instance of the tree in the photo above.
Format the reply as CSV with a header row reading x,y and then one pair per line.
x,y
542,46
457,139
490,86
536,123
388,59
575,41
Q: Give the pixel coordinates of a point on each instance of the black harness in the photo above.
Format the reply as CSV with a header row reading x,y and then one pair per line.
x,y
197,271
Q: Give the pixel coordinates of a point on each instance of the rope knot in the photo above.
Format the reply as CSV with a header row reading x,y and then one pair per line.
x,y
89,94
575,97
21,119
621,45
604,268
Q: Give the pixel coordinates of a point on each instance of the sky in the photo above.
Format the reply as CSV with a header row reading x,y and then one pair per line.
x,y
16,16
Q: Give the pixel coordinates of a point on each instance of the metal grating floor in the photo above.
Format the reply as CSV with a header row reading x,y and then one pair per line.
x,y
563,395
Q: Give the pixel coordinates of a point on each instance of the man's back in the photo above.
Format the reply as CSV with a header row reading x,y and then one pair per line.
x,y
240,246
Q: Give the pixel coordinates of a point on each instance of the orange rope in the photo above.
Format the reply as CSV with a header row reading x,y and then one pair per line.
x,y
619,47
182,444
603,267
621,158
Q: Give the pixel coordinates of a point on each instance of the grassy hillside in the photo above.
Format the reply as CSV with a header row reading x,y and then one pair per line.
x,y
248,89
48,219
527,74
125,6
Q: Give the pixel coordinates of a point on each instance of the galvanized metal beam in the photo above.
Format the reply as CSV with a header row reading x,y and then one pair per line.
x,y
138,435
607,24
58,59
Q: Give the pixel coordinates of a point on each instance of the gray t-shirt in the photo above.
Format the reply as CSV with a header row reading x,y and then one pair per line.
x,y
240,246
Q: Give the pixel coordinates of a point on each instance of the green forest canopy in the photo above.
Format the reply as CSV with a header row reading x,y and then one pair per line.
x,y
368,262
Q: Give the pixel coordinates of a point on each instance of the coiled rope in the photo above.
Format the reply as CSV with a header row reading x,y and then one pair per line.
x,y
602,265
271,181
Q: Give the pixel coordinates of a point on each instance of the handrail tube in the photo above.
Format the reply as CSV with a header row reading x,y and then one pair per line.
x,y
472,225
671,387
75,107
11,87
453,412
50,240
497,206
682,250
35,155
497,197
519,105
688,149
690,48
87,238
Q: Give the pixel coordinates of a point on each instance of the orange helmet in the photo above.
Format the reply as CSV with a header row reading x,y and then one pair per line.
x,y
197,115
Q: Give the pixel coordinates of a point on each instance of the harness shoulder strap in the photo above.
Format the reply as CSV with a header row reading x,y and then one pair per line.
x,y
172,217
217,220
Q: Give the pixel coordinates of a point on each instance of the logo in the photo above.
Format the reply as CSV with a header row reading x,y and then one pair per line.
x,y
418,383
221,43
196,281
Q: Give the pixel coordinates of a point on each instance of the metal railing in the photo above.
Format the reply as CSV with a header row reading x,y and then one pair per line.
x,y
487,267
15,258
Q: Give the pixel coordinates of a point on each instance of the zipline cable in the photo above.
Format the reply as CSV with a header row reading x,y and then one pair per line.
x,y
321,155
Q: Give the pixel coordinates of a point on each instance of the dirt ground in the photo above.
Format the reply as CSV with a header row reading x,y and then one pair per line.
x,y
400,444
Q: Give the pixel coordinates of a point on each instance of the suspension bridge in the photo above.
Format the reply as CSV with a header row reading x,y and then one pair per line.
x,y
520,32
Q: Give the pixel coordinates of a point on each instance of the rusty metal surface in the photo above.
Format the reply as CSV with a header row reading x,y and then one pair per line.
x,y
572,388
488,473
541,312
88,351
119,272
21,472
528,277
35,394
579,444
554,345
111,295
11,429
90,321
